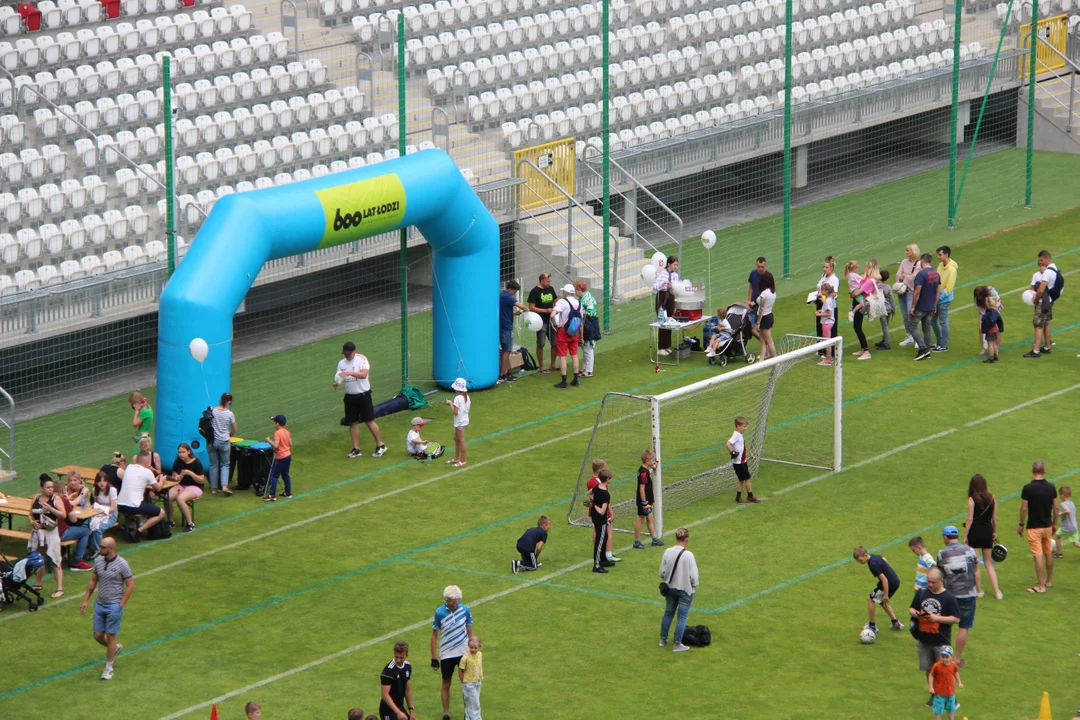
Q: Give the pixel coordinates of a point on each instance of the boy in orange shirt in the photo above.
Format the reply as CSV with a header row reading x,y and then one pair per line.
x,y
944,678
282,444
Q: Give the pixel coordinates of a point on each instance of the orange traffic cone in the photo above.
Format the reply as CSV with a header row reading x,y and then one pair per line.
x,y
1044,707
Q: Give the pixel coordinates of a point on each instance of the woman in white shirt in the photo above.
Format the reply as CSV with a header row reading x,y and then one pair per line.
x,y
104,499
765,302
665,298
460,405
828,275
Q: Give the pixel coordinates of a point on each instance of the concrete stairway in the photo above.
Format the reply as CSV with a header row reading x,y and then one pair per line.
x,y
1052,131
546,234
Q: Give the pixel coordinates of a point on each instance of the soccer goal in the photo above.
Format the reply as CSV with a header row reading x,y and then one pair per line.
x,y
793,407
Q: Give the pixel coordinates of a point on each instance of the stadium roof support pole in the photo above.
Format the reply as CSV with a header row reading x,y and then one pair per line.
x,y
954,113
403,253
246,230
1031,103
170,200
788,52
606,164
982,110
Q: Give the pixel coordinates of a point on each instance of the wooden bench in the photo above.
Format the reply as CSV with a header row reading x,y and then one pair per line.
x,y
25,537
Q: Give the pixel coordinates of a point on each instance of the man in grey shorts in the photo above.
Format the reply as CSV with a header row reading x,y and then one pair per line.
x,y
933,612
542,301
113,579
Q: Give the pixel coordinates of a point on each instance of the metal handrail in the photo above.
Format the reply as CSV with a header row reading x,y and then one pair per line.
x,y
648,193
569,228
569,224
134,165
1072,84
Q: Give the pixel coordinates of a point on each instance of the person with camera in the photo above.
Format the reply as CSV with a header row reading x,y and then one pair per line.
x,y
679,571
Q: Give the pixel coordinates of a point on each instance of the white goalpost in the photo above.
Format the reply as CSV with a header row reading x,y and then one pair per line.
x,y
792,405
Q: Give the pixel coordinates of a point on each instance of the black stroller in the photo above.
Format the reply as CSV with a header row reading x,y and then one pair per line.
x,y
733,344
16,581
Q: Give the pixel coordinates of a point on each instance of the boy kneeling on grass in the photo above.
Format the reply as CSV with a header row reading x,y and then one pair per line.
x,y
888,582
530,544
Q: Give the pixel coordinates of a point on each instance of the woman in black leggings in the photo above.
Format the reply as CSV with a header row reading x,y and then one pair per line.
x,y
855,290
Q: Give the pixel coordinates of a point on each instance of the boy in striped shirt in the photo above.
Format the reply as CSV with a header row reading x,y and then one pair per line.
x,y
925,563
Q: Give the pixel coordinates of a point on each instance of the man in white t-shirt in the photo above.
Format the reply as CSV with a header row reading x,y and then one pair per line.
x,y
1042,282
566,342
352,372
131,499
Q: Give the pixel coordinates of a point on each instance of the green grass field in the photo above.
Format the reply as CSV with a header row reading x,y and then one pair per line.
x,y
297,604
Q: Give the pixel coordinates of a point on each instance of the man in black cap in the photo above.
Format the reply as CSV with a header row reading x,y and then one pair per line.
x,y
352,372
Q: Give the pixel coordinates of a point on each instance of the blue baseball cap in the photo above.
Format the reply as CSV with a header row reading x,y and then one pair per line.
x,y
950,531
945,650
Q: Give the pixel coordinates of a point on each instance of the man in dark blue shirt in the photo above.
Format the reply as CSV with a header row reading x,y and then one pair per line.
x,y
530,544
507,303
755,289
923,306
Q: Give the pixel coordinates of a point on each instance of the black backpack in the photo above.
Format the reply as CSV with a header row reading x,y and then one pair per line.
x,y
592,328
697,636
206,425
159,531
1059,285
527,360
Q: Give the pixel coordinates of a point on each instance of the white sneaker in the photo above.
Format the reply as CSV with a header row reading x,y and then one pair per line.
x,y
679,647
907,341
709,352
865,355
107,673
379,452
663,352
663,643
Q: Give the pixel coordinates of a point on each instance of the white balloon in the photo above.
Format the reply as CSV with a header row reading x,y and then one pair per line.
x,y
648,273
708,239
198,349
659,260
1028,297
533,321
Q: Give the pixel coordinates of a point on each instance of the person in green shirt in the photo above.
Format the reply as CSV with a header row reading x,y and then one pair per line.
x,y
143,420
588,309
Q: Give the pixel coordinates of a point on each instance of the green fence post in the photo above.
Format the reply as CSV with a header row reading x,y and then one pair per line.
x,y
787,138
606,166
403,254
954,113
1031,103
170,210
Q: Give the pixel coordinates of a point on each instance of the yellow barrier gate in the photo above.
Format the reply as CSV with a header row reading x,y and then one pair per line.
x,y
1054,31
556,163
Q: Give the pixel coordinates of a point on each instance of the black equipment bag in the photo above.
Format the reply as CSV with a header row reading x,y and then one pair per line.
x,y
697,636
527,360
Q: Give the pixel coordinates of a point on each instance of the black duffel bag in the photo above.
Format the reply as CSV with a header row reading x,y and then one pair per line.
x,y
697,636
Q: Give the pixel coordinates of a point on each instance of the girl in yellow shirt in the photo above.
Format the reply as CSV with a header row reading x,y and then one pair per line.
x,y
471,674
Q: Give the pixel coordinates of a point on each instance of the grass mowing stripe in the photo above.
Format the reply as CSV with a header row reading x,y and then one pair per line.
x,y
840,563
586,591
546,579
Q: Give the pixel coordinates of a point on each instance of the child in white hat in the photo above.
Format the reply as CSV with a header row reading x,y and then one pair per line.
x,y
460,405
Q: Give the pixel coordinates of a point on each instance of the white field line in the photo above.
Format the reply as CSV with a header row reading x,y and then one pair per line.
x,y
307,521
550,576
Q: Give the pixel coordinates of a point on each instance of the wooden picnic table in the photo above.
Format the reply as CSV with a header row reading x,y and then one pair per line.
x,y
12,505
88,474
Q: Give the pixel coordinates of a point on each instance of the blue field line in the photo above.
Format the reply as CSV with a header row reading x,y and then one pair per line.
x,y
526,579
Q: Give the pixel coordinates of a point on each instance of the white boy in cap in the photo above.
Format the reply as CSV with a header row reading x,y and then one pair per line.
x,y
567,318
417,446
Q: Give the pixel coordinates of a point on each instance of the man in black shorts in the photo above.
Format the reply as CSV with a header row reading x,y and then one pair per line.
x,y
396,682
352,372
542,301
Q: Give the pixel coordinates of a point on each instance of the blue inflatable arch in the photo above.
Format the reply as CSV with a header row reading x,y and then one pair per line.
x,y
246,230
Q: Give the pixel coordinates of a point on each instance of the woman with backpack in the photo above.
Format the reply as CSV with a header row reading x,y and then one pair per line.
x,y
220,450
590,327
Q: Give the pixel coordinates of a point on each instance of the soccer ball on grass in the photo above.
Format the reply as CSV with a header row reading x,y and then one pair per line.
x,y
867,636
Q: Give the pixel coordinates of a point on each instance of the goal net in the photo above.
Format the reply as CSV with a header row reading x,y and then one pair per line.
x,y
792,405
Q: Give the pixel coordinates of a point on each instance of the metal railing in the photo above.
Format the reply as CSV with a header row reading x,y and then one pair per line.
x,y
1072,67
590,161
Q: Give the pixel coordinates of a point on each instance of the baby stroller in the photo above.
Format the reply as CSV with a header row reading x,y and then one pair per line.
x,y
16,581
733,344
